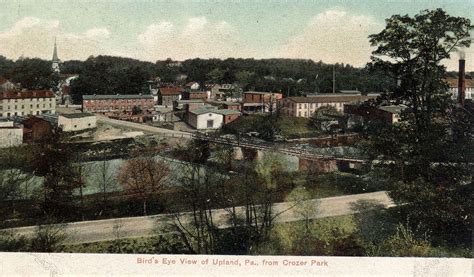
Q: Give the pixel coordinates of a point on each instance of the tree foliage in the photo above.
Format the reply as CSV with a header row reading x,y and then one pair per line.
x,y
143,178
427,155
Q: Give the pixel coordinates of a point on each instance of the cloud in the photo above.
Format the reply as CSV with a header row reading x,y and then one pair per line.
x,y
197,38
34,37
333,36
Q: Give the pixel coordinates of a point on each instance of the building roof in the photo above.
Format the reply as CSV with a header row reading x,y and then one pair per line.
x,y
329,98
116,96
210,86
190,101
258,92
16,94
205,109
171,90
228,103
350,92
31,120
227,111
3,80
453,82
395,109
191,83
77,115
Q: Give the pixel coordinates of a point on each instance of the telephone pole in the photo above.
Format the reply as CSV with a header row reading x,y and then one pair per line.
x,y
333,79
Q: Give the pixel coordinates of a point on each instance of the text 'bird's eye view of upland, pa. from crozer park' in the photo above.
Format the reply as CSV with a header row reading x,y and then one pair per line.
x,y
237,130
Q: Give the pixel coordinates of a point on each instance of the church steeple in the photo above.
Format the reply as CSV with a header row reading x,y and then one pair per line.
x,y
55,61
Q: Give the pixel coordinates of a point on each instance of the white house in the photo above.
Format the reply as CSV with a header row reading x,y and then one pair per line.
x,y
205,118
6,84
192,86
10,135
77,122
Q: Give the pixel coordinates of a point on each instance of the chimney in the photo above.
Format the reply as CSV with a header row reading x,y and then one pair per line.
x,y
462,80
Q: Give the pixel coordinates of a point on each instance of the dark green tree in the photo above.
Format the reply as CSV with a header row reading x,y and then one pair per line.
x,y
427,155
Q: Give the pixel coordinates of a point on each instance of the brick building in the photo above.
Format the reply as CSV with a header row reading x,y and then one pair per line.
x,y
167,95
229,115
117,103
256,101
35,128
193,95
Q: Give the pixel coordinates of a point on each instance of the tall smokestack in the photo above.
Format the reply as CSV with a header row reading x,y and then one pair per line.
x,y
462,79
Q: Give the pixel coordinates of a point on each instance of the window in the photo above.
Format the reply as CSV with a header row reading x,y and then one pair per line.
x,y
299,113
88,124
22,106
75,126
210,123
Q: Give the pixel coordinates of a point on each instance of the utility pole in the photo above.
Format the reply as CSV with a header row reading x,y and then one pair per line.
x,y
333,79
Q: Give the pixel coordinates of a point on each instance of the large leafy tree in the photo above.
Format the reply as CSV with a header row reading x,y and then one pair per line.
x,y
427,155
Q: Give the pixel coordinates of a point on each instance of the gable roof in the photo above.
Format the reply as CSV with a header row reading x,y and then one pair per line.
x,y
170,90
227,111
77,115
116,96
329,98
16,94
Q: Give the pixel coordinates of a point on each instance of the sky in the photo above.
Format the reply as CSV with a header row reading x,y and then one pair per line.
x,y
330,31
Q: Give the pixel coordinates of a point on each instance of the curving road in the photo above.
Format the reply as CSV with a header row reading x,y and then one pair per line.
x,y
103,230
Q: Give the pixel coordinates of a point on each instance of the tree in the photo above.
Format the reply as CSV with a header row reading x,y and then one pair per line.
x,y
143,178
302,205
426,156
216,75
105,180
54,160
48,238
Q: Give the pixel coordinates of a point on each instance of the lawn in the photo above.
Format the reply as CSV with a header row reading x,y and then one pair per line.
x,y
290,127
296,127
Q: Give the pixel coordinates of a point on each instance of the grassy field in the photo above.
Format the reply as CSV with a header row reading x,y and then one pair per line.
x,y
290,127
296,127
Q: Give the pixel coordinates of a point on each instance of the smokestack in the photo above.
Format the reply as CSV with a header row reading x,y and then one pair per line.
x,y
462,79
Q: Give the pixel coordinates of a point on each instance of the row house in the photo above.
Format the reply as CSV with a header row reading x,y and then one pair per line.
x,y
28,102
117,103
306,106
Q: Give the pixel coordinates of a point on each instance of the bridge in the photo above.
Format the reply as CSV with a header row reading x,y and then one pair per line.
x,y
276,147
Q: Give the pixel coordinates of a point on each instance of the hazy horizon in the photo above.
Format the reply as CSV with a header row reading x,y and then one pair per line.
x,y
330,31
